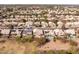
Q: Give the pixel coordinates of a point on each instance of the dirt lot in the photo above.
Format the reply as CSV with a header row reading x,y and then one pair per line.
x,y
11,46
58,45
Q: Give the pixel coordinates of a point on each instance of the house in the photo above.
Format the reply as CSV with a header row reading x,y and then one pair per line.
x,y
5,31
76,24
77,32
29,24
59,32
37,32
44,24
52,25
72,24
17,16
71,34
14,33
69,17
18,32
37,24
60,24
69,25
49,34
27,31
20,25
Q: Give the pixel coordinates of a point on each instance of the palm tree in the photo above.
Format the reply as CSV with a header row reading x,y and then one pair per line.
x,y
21,35
32,35
24,21
11,28
0,33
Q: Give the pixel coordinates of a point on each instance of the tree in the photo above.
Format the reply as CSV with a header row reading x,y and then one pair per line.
x,y
40,41
0,33
11,28
24,21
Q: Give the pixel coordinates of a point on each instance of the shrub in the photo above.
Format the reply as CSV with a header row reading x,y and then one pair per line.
x,y
40,40
70,51
24,39
54,52
18,38
64,40
73,43
54,40
1,34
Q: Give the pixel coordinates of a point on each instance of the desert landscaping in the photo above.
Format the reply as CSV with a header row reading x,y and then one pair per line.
x,y
39,29
13,46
